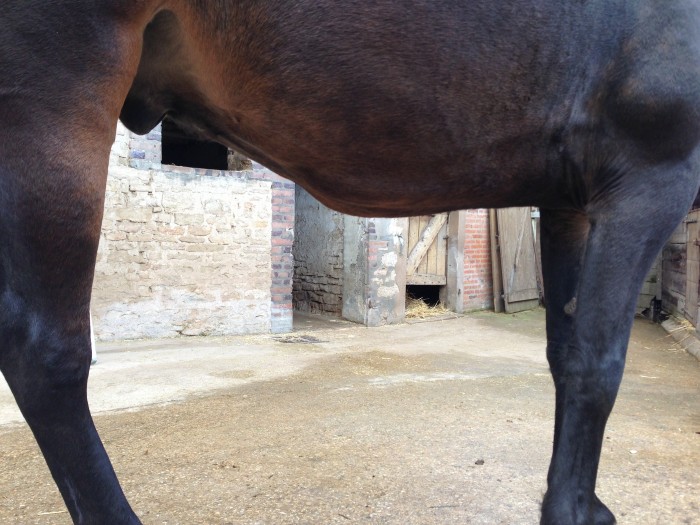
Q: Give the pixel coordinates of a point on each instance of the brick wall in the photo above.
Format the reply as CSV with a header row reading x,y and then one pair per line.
x,y
478,282
186,251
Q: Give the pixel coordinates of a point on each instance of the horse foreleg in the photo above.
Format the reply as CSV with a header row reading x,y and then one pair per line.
x,y
564,238
594,264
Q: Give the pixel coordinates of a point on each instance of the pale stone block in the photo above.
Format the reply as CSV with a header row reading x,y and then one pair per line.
x,y
199,230
189,219
134,214
128,226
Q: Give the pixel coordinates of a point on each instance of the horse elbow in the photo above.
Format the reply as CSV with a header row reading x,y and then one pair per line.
x,y
657,105
664,128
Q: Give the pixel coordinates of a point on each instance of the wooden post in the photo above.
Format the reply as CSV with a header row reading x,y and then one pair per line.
x,y
498,305
452,294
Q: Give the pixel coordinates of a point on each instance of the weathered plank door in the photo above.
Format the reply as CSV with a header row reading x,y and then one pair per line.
x,y
516,245
427,250
692,267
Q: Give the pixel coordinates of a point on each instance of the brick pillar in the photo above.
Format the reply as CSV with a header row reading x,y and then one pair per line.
x,y
478,283
282,258
281,241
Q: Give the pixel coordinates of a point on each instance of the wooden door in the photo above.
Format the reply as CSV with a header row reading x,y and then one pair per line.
x,y
427,250
518,262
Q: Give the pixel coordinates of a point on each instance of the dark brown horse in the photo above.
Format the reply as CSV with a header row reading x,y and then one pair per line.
x,y
589,109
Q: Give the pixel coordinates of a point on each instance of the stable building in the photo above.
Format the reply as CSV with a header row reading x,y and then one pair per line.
x,y
197,240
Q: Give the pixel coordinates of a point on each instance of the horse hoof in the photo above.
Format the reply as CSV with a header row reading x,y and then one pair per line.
x,y
602,514
558,514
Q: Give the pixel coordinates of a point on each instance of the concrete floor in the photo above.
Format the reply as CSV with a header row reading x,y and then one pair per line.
x,y
438,422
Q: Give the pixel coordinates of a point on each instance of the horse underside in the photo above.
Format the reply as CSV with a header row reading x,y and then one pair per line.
x,y
589,111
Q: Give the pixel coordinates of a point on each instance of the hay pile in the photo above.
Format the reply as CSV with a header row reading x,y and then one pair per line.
x,y
417,308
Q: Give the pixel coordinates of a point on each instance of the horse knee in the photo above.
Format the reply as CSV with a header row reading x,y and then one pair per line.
x,y
45,361
591,374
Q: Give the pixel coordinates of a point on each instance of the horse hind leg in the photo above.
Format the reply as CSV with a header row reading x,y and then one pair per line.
x,y
47,256
53,169
594,263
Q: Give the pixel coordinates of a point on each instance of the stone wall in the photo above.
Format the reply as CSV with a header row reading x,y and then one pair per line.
x,y
348,266
145,151
119,155
183,254
374,277
187,251
354,266
318,256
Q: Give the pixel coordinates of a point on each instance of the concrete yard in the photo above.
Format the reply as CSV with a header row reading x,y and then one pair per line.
x,y
440,422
